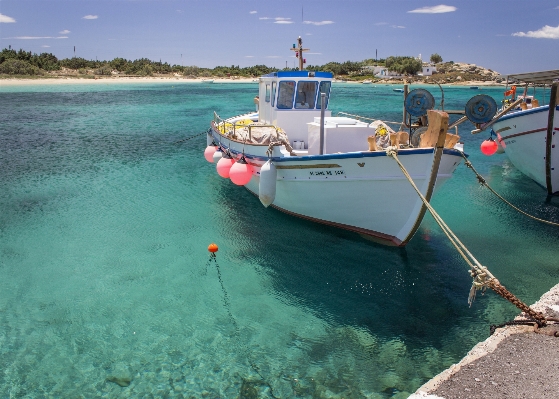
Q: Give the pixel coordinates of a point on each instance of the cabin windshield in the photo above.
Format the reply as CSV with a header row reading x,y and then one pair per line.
x,y
286,93
306,95
324,88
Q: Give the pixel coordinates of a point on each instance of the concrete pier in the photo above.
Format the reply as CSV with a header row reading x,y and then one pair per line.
x,y
513,363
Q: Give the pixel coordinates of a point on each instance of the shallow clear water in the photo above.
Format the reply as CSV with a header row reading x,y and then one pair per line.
x,y
104,271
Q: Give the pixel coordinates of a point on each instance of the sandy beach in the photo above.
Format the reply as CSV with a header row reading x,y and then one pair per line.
x,y
153,79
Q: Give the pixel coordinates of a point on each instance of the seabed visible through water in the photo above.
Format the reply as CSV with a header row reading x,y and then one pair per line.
x,y
105,289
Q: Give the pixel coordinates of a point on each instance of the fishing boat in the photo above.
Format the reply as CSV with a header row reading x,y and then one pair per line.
x,y
398,90
207,80
297,157
367,82
529,133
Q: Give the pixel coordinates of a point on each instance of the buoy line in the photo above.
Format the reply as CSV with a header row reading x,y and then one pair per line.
x,y
482,277
213,248
483,182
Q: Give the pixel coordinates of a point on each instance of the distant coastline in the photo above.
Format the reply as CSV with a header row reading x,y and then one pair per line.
x,y
13,81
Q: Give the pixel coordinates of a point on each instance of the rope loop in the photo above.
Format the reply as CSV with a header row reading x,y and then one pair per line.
x,y
481,281
392,151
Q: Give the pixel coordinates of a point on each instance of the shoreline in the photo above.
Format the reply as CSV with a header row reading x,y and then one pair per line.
x,y
122,80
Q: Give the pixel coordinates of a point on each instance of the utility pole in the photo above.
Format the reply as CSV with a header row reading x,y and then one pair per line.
x,y
299,52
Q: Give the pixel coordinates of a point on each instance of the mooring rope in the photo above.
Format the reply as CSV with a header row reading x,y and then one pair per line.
x,y
482,277
484,183
191,137
227,304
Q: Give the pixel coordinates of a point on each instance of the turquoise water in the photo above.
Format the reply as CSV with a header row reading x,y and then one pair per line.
x,y
105,276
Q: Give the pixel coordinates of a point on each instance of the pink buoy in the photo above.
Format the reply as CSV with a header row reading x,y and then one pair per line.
x,y
241,172
209,153
224,166
489,147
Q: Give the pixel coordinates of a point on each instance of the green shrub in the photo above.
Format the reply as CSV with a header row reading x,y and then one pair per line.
x,y
104,70
14,66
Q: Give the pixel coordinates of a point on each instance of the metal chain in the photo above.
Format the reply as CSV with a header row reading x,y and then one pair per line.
x,y
482,277
227,305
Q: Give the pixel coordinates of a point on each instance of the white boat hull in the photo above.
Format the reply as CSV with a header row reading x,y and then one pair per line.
x,y
523,136
365,192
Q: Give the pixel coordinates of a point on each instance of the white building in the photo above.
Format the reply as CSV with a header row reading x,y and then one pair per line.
x,y
427,70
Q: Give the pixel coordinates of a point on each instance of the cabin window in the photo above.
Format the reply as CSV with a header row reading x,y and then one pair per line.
x,y
306,95
324,88
286,91
274,84
267,93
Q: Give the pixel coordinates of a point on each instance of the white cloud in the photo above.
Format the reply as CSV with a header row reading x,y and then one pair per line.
x,y
6,20
283,21
253,12
264,18
64,32
45,45
36,37
547,32
249,56
434,10
398,27
90,17
318,23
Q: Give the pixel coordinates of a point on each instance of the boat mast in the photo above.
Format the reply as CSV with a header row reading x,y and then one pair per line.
x,y
299,52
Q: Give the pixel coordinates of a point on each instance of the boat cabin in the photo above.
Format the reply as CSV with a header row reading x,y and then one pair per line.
x,y
291,99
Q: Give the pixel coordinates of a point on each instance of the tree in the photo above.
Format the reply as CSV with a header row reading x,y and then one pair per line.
x,y
404,65
436,59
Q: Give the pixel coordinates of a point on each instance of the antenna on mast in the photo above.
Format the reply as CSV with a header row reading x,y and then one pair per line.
x,y
299,52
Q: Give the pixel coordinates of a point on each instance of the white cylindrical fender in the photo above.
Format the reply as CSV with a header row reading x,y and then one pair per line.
x,y
209,138
217,155
267,186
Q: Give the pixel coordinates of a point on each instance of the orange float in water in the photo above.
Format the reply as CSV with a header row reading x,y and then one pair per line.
x,y
212,248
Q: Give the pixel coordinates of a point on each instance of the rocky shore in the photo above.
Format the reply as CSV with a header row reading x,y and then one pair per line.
x,y
457,73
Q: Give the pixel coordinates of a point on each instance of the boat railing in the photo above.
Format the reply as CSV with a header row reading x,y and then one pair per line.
x,y
219,121
364,118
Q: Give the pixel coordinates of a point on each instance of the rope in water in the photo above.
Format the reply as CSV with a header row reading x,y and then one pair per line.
x,y
227,304
484,183
191,137
482,277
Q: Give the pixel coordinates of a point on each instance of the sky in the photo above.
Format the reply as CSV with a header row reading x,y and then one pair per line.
x,y
510,36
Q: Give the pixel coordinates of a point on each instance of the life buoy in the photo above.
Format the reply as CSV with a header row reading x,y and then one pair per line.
x,y
510,92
